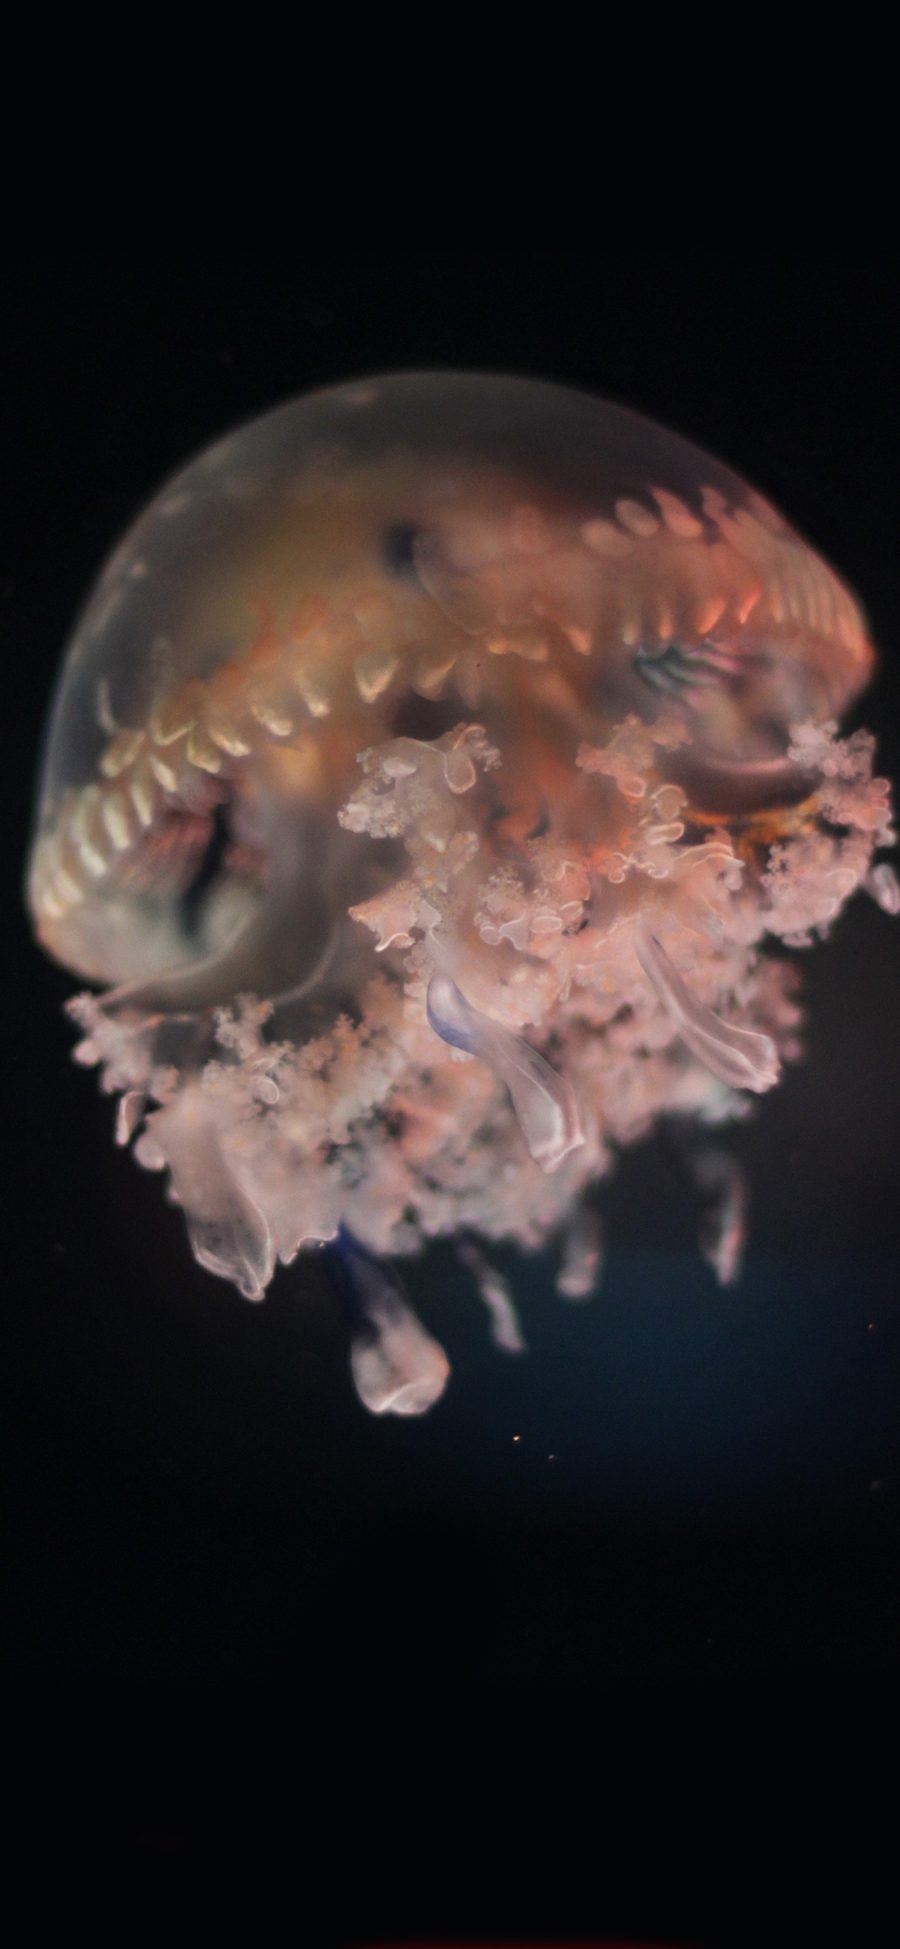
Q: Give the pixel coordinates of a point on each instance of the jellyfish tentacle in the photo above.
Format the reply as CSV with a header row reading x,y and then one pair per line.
x,y
722,1182
397,1367
228,1231
544,1101
723,1231
738,786
745,1059
581,1254
494,1291
235,969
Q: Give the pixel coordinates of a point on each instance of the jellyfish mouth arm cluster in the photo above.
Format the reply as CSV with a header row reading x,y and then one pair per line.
x,y
430,845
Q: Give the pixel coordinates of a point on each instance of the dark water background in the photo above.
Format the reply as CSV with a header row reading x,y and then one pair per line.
x,y
635,1670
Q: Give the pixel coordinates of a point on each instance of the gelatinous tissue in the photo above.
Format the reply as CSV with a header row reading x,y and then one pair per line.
x,y
433,769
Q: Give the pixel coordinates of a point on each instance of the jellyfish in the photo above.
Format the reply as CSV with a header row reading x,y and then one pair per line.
x,y
434,768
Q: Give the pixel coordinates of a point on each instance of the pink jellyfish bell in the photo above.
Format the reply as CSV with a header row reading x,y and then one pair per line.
x,y
430,766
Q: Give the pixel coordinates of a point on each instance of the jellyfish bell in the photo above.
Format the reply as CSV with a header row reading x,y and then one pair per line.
x,y
432,765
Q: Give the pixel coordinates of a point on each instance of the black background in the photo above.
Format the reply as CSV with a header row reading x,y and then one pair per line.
x,y
635,1672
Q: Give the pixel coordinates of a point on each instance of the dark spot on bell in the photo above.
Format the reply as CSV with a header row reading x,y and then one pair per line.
x,y
398,549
